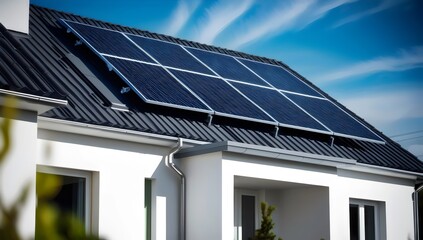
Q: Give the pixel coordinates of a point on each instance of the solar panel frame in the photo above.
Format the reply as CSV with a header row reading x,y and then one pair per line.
x,y
231,82
135,49
206,70
255,80
270,120
111,67
297,98
269,98
288,72
156,102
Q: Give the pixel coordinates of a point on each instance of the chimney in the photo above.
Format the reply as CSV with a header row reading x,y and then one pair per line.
x,y
14,15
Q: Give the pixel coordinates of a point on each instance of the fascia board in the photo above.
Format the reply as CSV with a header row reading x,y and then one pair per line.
x,y
31,102
262,151
300,157
126,135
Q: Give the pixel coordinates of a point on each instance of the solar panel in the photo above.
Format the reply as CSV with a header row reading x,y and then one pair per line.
x,y
221,97
341,123
108,42
155,84
171,55
280,78
227,67
188,78
280,108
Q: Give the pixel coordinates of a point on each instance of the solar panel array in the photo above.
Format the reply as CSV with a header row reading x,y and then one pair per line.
x,y
170,74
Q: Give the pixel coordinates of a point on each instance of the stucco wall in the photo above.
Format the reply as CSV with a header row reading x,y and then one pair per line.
x,y
342,184
301,213
121,168
204,197
19,167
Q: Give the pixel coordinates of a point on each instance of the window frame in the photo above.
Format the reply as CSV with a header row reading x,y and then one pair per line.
x,y
88,188
379,217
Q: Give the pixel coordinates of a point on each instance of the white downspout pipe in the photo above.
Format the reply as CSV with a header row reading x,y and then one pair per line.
x,y
171,165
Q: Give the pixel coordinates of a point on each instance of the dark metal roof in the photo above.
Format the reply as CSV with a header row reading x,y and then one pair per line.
x,y
19,72
54,50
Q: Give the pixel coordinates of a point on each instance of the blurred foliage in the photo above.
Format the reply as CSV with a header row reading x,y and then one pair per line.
x,y
9,215
51,223
265,231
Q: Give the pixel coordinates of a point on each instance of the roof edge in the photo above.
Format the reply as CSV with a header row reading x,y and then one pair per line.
x,y
127,135
263,151
31,102
287,155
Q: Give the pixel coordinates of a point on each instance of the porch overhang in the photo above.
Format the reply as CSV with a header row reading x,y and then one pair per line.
x,y
294,156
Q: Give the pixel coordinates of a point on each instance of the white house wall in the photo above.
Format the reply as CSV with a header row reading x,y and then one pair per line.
x,y
342,185
120,168
18,169
205,218
301,213
396,193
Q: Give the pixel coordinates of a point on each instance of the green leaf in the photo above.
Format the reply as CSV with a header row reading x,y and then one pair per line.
x,y
48,185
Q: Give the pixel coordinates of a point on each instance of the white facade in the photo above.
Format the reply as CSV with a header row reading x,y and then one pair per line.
x,y
314,197
312,201
119,169
19,168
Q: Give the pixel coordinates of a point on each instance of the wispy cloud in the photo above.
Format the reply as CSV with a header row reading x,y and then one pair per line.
x,y
320,9
220,16
289,15
277,21
382,6
180,16
404,60
387,107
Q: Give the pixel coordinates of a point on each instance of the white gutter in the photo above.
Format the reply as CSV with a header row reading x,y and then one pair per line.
x,y
110,132
398,172
31,102
34,97
170,164
300,157
194,147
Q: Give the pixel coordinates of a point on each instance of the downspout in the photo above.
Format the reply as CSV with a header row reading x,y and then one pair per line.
x,y
416,210
171,165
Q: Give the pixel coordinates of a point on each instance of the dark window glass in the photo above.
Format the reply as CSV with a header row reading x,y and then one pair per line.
x,y
71,196
369,222
147,206
354,223
248,217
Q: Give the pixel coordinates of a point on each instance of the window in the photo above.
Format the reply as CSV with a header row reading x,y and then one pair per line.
x,y
367,220
74,194
246,213
418,213
248,216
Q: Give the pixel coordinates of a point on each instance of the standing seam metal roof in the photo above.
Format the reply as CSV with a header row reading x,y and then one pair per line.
x,y
49,45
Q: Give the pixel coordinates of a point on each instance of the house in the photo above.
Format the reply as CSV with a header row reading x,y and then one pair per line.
x,y
138,170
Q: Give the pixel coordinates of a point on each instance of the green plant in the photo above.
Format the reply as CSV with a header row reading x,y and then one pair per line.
x,y
265,231
51,223
9,215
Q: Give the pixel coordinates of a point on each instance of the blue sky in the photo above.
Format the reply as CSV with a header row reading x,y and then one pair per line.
x,y
367,54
